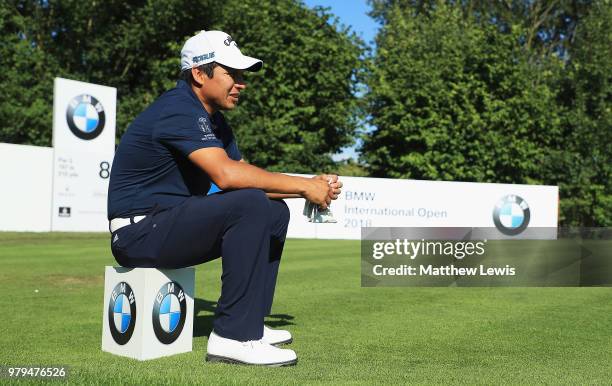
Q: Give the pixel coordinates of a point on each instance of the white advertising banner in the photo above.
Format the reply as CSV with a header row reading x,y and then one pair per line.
x,y
25,197
382,202
83,147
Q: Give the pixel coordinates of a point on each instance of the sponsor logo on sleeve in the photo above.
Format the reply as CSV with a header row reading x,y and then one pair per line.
x,y
205,125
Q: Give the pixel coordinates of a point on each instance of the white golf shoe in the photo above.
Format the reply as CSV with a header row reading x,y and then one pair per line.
x,y
252,352
276,337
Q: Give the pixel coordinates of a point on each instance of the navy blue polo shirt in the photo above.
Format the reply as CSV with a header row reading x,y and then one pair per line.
x,y
151,166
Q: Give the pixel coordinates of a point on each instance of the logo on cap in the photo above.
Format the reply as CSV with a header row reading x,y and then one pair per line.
x,y
228,40
511,215
201,58
85,116
169,312
122,313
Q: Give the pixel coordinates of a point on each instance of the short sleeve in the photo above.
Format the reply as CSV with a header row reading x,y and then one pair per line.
x,y
226,134
232,150
185,131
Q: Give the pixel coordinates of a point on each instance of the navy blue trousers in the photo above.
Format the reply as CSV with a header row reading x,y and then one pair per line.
x,y
243,226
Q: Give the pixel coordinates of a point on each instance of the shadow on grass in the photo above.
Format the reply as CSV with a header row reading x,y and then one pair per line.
x,y
203,324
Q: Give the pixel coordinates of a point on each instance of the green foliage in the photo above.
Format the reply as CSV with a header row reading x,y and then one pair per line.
x,y
581,160
513,91
297,113
27,88
301,108
350,168
466,92
115,43
455,101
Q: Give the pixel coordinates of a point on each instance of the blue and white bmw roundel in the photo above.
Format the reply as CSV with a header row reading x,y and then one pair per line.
x,y
511,215
85,116
169,312
122,313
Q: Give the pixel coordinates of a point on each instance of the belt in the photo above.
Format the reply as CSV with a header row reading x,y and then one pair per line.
x,y
118,223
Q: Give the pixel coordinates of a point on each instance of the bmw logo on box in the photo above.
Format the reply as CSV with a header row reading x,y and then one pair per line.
x,y
511,215
85,116
169,312
122,313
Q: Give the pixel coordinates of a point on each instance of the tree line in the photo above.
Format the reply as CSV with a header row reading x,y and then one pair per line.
x,y
487,91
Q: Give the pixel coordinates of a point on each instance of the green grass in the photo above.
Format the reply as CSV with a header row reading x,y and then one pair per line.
x,y
342,333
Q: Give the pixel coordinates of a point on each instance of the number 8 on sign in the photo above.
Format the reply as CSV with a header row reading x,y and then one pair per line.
x,y
104,170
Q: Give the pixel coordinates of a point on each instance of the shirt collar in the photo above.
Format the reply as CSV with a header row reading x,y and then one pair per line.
x,y
184,86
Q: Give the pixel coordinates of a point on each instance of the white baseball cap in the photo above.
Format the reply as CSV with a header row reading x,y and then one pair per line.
x,y
215,46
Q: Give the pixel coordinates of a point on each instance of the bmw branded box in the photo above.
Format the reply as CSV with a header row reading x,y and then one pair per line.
x,y
148,313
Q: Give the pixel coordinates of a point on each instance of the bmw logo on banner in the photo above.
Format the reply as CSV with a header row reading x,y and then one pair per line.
x,y
511,215
169,312
122,313
85,116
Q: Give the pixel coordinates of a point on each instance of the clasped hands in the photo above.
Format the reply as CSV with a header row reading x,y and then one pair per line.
x,y
324,189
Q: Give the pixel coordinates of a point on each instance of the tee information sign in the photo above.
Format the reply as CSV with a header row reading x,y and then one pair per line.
x,y
83,149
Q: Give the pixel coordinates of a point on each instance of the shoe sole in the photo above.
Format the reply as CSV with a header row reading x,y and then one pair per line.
x,y
288,341
217,358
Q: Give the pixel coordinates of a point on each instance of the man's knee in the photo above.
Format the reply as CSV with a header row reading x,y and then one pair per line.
x,y
249,201
279,218
284,214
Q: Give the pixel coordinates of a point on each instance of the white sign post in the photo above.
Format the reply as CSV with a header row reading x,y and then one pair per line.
x,y
83,147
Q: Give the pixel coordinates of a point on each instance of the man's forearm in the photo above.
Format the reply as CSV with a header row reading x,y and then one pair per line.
x,y
282,196
241,175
